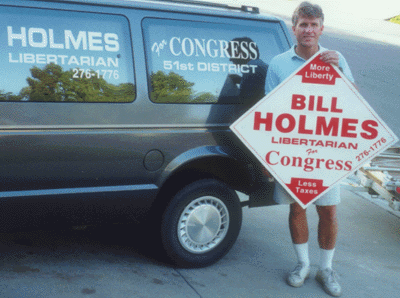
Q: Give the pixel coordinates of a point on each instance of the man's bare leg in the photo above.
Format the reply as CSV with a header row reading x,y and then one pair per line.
x,y
298,224
327,227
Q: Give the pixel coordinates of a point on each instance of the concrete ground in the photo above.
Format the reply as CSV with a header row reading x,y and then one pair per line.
x,y
110,263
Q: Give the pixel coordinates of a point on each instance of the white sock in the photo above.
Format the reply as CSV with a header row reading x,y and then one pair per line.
x,y
326,257
301,251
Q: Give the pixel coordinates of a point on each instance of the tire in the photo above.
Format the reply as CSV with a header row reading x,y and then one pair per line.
x,y
201,223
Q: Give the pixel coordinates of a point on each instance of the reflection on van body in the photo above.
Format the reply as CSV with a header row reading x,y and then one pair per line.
x,y
65,56
209,59
52,84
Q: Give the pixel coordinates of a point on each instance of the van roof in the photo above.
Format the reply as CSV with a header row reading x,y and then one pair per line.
x,y
243,8
195,6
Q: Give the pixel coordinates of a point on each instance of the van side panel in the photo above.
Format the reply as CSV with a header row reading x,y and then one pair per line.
x,y
82,137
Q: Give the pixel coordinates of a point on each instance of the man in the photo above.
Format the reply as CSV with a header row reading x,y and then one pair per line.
x,y
308,27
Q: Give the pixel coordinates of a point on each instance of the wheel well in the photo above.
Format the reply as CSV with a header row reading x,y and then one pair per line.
x,y
227,170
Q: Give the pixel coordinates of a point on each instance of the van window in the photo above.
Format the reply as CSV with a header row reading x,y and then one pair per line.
x,y
64,56
201,62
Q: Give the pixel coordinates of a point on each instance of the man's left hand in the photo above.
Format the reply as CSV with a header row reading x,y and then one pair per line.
x,y
330,57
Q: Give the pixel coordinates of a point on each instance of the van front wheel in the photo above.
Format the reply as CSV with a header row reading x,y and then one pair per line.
x,y
201,223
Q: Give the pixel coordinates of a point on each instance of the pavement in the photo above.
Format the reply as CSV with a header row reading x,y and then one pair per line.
x,y
107,262
354,17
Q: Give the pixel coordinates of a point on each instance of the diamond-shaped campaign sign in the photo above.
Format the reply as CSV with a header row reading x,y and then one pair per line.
x,y
313,130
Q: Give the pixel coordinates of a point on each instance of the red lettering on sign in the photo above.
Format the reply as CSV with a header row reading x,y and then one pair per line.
x,y
373,133
268,157
334,108
266,121
347,128
308,164
320,108
318,72
286,123
306,189
311,104
299,103
327,129
291,123
302,126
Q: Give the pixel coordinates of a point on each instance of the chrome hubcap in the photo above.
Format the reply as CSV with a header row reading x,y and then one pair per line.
x,y
203,224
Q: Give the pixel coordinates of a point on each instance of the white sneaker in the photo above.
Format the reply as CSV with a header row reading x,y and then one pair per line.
x,y
329,281
299,274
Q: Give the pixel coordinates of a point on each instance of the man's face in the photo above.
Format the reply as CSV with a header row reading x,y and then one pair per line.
x,y
308,31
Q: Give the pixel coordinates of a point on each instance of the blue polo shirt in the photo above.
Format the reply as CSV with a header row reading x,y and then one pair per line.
x,y
283,65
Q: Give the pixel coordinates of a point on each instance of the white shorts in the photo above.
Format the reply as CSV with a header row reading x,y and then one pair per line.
x,y
330,198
